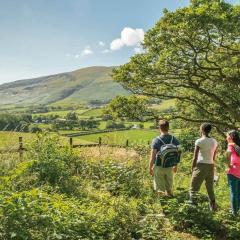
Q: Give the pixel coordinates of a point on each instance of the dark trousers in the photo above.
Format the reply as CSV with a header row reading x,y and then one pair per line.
x,y
234,184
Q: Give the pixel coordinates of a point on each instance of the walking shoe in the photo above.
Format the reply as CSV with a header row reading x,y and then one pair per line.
x,y
213,206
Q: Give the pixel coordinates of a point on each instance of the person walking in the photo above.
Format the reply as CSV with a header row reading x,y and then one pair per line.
x,y
163,160
203,164
233,172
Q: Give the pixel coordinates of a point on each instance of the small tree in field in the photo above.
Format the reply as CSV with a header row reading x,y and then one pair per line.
x,y
192,55
72,116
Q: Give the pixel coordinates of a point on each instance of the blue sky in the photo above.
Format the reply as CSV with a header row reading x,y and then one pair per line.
x,y
41,37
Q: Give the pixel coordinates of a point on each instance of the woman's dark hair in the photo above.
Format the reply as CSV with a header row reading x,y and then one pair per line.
x,y
235,137
206,128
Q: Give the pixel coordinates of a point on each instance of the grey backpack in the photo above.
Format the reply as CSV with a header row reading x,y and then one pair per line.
x,y
168,155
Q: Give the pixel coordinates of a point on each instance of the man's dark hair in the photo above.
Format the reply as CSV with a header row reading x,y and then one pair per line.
x,y
206,128
164,125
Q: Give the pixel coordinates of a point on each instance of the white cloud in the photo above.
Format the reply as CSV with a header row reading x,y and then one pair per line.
x,y
132,37
102,44
87,51
129,37
77,56
116,44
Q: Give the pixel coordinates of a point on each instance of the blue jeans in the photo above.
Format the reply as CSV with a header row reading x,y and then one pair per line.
x,y
234,184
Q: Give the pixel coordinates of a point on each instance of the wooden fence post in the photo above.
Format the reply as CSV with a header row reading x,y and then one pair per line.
x,y
20,149
127,143
100,141
71,142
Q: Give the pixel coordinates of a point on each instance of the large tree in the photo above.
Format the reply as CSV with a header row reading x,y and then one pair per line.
x,y
192,55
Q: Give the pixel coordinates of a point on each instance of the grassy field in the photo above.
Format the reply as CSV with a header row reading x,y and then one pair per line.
x,y
10,139
93,113
164,105
13,109
120,137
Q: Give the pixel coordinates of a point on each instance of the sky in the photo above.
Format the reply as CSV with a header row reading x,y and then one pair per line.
x,y
43,37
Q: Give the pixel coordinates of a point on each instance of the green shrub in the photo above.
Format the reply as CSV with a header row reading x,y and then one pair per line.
x,y
53,163
34,129
36,215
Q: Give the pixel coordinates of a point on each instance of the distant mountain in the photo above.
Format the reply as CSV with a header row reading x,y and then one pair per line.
x,y
80,86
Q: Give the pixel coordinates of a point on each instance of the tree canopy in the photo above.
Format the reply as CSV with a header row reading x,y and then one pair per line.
x,y
192,55
131,107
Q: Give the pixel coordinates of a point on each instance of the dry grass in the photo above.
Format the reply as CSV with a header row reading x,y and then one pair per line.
x,y
104,153
8,161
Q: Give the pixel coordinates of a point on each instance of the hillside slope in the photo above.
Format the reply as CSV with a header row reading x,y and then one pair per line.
x,y
80,86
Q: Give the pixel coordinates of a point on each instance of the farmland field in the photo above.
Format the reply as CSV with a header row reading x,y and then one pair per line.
x,y
10,139
120,137
93,113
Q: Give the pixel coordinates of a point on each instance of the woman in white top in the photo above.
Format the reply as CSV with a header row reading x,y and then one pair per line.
x,y
203,165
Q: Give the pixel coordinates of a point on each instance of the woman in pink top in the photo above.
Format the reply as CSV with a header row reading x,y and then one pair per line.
x,y
233,172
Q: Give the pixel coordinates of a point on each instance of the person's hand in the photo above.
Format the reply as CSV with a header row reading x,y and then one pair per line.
x,y
175,169
151,171
193,168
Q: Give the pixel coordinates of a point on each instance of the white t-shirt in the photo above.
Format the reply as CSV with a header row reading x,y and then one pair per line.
x,y
207,147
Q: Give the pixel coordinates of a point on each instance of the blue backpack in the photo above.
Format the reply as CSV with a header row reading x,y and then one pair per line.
x,y
168,155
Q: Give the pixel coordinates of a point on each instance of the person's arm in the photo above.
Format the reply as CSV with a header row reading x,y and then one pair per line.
x,y
195,157
214,161
151,160
214,155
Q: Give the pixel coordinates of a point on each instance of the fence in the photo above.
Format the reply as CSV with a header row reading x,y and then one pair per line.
x,y
19,150
100,143
21,147
77,134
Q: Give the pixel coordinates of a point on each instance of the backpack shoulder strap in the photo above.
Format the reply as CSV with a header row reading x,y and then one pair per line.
x,y
171,140
161,140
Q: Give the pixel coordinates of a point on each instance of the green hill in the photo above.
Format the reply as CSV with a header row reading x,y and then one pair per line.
x,y
80,86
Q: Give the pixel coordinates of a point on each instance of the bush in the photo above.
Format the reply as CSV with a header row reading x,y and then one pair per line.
x,y
113,125
187,139
118,179
15,122
53,164
34,129
37,215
